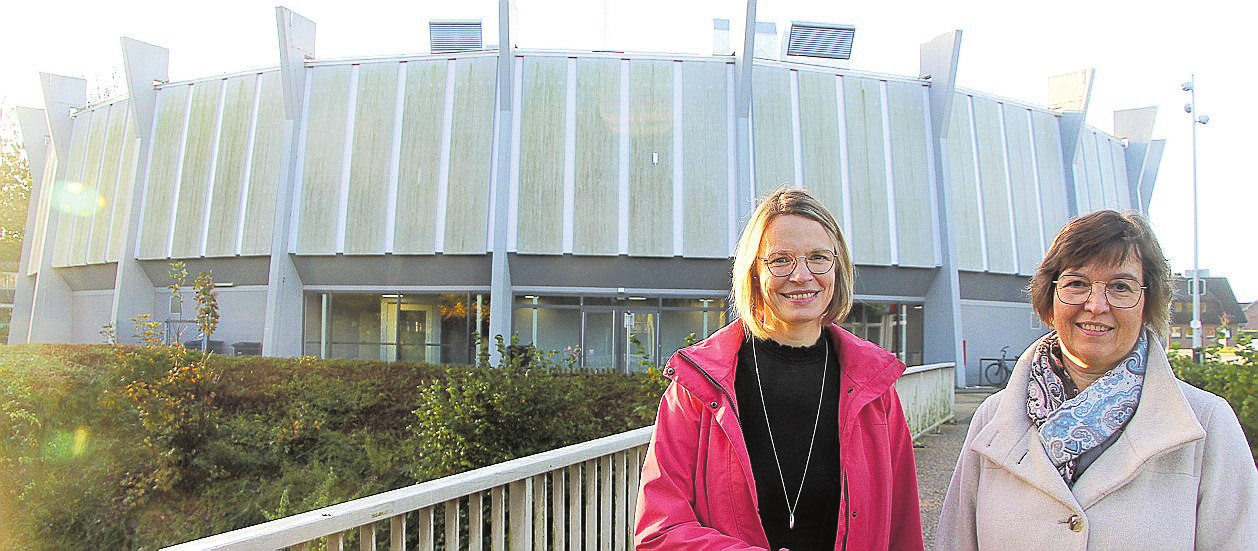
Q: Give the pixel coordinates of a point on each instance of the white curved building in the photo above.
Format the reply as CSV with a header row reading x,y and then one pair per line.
x,y
587,202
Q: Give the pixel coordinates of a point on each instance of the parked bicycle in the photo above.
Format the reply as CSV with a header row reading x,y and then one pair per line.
x,y
997,370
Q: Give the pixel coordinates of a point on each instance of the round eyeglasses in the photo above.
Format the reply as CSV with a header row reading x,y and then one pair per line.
x,y
1120,292
783,264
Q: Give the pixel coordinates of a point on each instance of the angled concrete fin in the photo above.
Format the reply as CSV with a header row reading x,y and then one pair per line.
x,y
1136,126
61,94
1149,177
297,44
144,65
938,60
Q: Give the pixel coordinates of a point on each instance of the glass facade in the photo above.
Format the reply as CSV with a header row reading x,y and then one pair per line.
x,y
615,333
426,327
894,326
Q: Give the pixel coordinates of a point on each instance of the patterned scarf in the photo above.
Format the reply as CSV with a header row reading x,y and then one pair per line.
x,y
1070,426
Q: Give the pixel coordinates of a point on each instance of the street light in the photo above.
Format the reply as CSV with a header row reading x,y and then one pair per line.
x,y
1189,107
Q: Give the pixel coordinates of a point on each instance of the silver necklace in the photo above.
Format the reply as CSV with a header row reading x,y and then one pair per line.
x,y
790,507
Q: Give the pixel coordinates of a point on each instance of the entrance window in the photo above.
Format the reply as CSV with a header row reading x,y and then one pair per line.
x,y
896,327
423,327
624,334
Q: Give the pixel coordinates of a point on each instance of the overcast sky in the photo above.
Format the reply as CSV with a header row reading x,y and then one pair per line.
x,y
1142,52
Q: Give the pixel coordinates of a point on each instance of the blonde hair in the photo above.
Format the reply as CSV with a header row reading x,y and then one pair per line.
x,y
745,292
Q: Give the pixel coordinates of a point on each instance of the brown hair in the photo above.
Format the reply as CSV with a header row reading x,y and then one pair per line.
x,y
745,292
1110,238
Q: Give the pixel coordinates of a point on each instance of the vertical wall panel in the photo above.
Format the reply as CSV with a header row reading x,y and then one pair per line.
x,y
1026,214
819,131
1092,165
911,175
420,159
90,201
871,241
194,182
42,212
159,194
264,170
542,127
705,163
96,224
963,223
233,142
124,189
651,158
1048,156
991,162
471,142
324,160
370,165
597,162
72,197
771,127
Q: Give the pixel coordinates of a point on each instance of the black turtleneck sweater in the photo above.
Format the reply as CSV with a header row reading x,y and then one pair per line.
x,y
791,381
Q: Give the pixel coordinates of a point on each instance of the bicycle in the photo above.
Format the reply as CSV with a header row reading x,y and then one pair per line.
x,y
997,370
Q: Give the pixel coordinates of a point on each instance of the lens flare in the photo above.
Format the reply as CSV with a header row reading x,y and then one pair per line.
x,y
77,198
67,444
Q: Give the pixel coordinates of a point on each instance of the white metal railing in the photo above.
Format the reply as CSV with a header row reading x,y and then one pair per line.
x,y
579,497
926,392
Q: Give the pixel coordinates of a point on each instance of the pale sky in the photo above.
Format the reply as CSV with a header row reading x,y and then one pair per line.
x,y
1142,52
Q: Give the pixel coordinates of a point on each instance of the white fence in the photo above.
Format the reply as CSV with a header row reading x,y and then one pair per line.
x,y
579,497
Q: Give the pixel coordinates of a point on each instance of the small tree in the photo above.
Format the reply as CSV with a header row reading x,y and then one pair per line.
x,y
15,191
207,307
178,273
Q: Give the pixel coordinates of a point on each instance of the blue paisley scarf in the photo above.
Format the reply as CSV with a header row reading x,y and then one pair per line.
x,y
1070,426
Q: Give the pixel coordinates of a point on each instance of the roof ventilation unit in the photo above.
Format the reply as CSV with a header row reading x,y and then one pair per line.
x,y
823,40
454,36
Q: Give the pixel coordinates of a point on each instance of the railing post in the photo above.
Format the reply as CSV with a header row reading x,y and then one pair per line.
x,y
521,514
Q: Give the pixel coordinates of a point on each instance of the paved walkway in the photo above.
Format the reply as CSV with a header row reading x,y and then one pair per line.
x,y
937,454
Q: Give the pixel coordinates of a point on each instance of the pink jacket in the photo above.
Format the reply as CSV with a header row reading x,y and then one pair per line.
x,y
697,488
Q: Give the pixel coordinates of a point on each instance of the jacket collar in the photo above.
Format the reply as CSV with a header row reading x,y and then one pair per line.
x,y
867,370
1163,421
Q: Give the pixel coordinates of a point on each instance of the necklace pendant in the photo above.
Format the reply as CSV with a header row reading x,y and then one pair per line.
x,y
792,521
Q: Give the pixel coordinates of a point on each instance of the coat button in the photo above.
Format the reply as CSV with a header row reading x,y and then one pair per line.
x,y
713,405
669,372
1076,523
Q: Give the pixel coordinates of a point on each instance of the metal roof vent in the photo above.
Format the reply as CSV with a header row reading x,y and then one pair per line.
x,y
454,36
825,40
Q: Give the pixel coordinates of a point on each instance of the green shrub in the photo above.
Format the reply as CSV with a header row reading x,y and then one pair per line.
x,y
1235,380
117,447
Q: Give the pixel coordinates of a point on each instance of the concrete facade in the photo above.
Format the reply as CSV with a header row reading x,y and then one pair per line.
x,y
416,206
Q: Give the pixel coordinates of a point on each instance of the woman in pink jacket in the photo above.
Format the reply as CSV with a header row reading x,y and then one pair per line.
x,y
782,430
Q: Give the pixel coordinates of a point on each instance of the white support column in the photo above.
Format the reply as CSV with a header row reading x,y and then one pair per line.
x,y
53,301
283,326
943,327
500,297
35,138
133,291
745,158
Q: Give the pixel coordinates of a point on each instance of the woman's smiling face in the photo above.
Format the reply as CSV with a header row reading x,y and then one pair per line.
x,y
1095,335
795,303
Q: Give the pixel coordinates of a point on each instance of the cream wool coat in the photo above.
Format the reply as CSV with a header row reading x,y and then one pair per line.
x,y
1180,476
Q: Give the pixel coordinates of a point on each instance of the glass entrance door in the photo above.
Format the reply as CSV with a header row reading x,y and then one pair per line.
x,y
619,338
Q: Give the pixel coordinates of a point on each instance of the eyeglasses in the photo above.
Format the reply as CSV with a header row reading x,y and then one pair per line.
x,y
1120,292
783,264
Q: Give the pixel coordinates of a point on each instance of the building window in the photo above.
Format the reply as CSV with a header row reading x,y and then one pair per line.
x,y
1177,331
618,333
425,327
894,326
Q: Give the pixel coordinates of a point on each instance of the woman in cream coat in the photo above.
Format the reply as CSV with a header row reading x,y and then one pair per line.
x,y
1095,444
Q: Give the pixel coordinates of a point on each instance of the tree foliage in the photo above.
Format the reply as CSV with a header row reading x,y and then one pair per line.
x,y
15,191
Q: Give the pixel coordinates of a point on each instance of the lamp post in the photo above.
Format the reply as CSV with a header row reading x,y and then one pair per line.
x,y
1189,108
